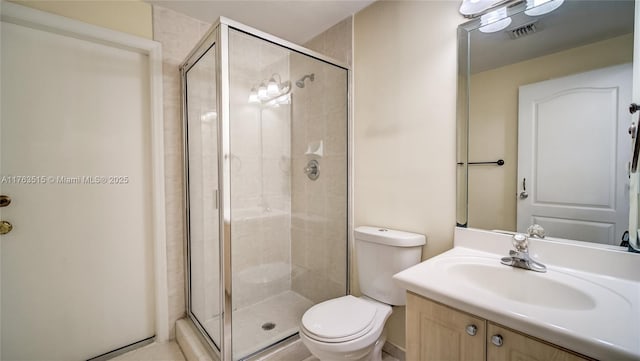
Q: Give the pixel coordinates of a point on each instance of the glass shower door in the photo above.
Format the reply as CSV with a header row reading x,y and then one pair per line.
x,y
289,229
202,188
259,114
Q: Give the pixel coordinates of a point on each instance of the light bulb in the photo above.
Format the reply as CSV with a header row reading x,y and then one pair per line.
x,y
541,7
253,96
472,7
262,92
272,87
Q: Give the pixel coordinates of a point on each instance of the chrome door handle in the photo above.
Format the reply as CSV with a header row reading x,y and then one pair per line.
x,y
497,340
524,194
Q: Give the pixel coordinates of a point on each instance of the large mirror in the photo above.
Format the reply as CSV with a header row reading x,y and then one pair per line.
x,y
543,121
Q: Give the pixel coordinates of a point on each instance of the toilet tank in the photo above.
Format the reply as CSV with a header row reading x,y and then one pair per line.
x,y
381,253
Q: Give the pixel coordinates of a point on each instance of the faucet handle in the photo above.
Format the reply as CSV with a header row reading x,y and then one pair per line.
x,y
535,230
520,242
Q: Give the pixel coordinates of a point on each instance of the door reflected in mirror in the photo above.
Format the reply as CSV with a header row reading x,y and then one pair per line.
x,y
549,95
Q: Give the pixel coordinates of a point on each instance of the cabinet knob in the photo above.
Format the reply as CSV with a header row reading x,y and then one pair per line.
x,y
497,340
472,330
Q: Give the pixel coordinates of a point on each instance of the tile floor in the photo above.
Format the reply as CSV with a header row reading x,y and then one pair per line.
x,y
285,310
385,357
171,352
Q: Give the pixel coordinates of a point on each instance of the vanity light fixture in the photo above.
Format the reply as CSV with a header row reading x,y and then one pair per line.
x,y
494,21
473,7
541,7
253,96
273,94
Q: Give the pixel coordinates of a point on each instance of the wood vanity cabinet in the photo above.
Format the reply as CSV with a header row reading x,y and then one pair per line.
x,y
436,332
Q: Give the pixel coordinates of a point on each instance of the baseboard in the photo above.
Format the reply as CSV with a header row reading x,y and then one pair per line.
x,y
394,351
122,350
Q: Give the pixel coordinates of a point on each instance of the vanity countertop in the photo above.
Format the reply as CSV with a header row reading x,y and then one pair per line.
x,y
588,301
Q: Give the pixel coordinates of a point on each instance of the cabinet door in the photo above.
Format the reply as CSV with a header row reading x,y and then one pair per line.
x,y
437,332
518,347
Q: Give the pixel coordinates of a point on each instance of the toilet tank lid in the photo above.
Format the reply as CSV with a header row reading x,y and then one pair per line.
x,y
389,237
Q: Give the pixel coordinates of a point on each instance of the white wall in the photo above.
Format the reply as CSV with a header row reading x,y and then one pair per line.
x,y
405,71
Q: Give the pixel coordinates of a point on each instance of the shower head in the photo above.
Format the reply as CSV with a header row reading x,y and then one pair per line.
x,y
300,82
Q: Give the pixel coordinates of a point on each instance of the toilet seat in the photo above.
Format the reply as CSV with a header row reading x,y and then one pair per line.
x,y
339,320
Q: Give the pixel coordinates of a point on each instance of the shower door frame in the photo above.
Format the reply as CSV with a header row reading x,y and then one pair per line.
x,y
209,40
218,35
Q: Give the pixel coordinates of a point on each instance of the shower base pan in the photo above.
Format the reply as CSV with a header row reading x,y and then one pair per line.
x,y
260,325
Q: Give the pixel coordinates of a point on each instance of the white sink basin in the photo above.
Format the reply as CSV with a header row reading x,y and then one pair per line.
x,y
522,286
589,313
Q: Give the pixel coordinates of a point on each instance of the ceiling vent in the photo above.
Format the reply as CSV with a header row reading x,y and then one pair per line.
x,y
524,30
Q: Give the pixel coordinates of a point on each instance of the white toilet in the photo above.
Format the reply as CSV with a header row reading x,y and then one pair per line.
x,y
351,328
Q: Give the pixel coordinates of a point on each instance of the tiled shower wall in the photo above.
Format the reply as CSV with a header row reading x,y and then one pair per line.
x,y
335,42
178,34
319,210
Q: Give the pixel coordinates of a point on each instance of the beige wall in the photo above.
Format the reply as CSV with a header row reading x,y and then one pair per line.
x,y
493,125
178,34
132,16
405,72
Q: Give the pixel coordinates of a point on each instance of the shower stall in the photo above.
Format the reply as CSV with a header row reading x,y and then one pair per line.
x,y
266,186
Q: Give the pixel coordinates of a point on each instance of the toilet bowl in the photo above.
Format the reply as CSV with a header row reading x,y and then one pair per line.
x,y
351,328
345,328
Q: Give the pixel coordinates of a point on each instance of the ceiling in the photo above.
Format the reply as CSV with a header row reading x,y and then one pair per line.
x,y
294,20
575,23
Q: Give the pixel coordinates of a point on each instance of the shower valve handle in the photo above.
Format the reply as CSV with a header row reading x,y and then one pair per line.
x,y
312,170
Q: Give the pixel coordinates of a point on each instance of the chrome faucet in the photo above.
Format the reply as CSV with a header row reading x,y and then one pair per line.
x,y
520,257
